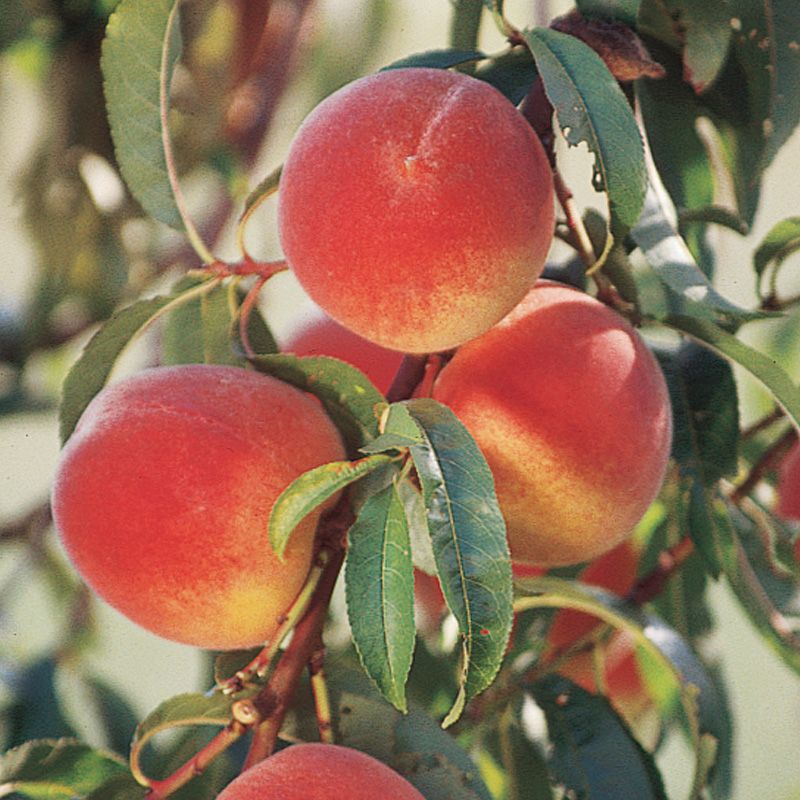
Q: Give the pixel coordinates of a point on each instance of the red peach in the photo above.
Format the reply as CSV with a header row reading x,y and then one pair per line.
x,y
163,494
572,413
416,207
319,772
789,486
326,337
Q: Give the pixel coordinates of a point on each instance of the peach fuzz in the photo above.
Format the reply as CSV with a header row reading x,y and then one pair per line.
x,y
163,494
326,337
319,772
572,413
416,207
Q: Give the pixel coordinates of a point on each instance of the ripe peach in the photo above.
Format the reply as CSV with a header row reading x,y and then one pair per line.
x,y
319,772
416,207
572,413
326,337
163,493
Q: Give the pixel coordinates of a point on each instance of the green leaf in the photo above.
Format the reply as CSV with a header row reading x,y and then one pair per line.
x,y
705,406
140,50
591,108
623,10
379,580
682,681
717,215
14,21
267,187
436,59
91,371
768,592
732,349
666,252
781,241
765,45
183,710
56,769
348,395
413,744
121,787
469,543
310,490
205,330
399,431
705,29
593,754
522,757
512,74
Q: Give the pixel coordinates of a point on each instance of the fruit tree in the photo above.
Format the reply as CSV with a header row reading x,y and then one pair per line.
x,y
419,393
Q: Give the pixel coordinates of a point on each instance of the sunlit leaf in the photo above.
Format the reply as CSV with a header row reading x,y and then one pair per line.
x,y
310,490
140,50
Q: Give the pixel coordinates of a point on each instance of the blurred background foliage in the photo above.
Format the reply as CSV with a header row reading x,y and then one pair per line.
x,y
76,247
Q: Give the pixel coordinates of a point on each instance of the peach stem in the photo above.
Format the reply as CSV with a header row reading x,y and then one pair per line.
x,y
322,700
769,460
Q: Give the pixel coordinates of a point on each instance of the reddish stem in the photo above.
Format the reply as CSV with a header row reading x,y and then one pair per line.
x,y
669,562
769,460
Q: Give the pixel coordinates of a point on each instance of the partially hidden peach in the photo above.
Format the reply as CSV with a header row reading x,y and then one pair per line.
x,y
572,413
319,772
789,486
416,207
163,494
324,336
613,668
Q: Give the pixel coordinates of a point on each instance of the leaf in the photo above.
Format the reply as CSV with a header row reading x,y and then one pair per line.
x,y
705,29
265,189
623,10
591,108
140,50
593,754
766,34
512,74
413,744
348,395
56,769
769,595
678,674
121,787
206,329
469,543
523,756
705,406
436,59
91,371
183,710
732,349
781,241
718,215
666,252
310,490
379,581
399,431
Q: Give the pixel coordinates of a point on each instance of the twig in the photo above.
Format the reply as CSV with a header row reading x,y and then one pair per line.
x,y
669,562
763,423
322,700
769,460
409,374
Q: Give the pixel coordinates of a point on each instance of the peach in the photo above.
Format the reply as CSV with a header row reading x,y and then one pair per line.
x,y
616,571
572,413
416,207
326,337
319,772
163,494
